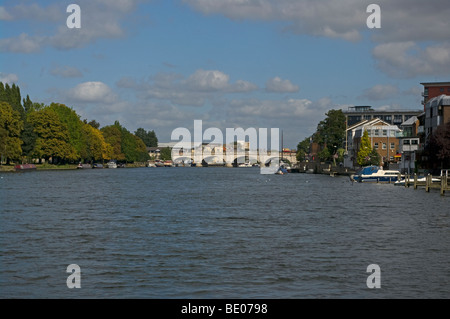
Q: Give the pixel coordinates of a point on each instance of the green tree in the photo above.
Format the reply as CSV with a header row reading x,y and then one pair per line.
x,y
113,136
52,136
365,148
331,131
324,155
11,127
374,158
149,137
11,95
74,126
303,149
166,154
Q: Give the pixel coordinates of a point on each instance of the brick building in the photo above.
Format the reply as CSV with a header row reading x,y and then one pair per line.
x,y
434,89
383,137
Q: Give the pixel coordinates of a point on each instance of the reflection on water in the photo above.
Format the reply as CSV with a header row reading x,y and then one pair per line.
x,y
218,233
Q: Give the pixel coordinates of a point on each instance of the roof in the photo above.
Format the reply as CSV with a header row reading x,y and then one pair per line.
x,y
439,100
409,121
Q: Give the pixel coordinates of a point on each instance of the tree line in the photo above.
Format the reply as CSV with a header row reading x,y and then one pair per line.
x,y
30,130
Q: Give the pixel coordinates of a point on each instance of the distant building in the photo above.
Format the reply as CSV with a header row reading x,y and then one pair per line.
x,y
383,138
356,114
409,144
437,112
434,89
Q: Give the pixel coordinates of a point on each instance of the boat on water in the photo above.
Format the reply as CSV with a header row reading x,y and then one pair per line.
x,y
245,165
376,174
84,166
421,179
111,164
25,167
159,163
97,165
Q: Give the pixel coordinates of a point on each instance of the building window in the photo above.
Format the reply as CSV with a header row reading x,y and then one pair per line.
x,y
392,133
414,142
441,90
384,132
398,119
367,117
376,146
384,146
392,146
377,133
405,142
391,158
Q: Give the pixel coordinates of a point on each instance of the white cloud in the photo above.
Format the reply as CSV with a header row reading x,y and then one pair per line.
x,y
194,90
100,19
408,59
92,92
207,80
5,15
278,85
22,44
9,78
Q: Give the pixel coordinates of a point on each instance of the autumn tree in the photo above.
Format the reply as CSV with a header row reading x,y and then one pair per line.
x,y
113,136
52,136
11,127
95,147
74,125
364,149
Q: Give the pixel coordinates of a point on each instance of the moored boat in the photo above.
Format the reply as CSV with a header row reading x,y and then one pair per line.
x,y
25,167
376,174
111,164
421,179
84,166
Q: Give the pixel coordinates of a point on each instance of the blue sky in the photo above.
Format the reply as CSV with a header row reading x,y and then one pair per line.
x,y
231,63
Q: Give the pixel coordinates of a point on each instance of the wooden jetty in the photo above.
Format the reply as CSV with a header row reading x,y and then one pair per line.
x,y
430,182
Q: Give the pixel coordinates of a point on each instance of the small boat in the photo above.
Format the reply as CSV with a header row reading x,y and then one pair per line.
x,y
245,165
111,164
421,179
97,165
84,166
159,163
168,163
376,174
25,167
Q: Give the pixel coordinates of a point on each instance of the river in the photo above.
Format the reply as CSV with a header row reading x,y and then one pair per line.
x,y
218,233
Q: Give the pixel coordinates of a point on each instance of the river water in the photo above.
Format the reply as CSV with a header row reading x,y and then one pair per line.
x,y
219,233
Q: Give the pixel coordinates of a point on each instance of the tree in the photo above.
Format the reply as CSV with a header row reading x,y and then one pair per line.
x,y
438,147
11,127
331,131
166,154
113,136
74,126
324,154
95,147
149,137
303,149
364,150
11,95
52,136
374,158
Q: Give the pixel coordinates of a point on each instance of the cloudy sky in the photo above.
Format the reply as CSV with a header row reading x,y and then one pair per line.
x,y
161,64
